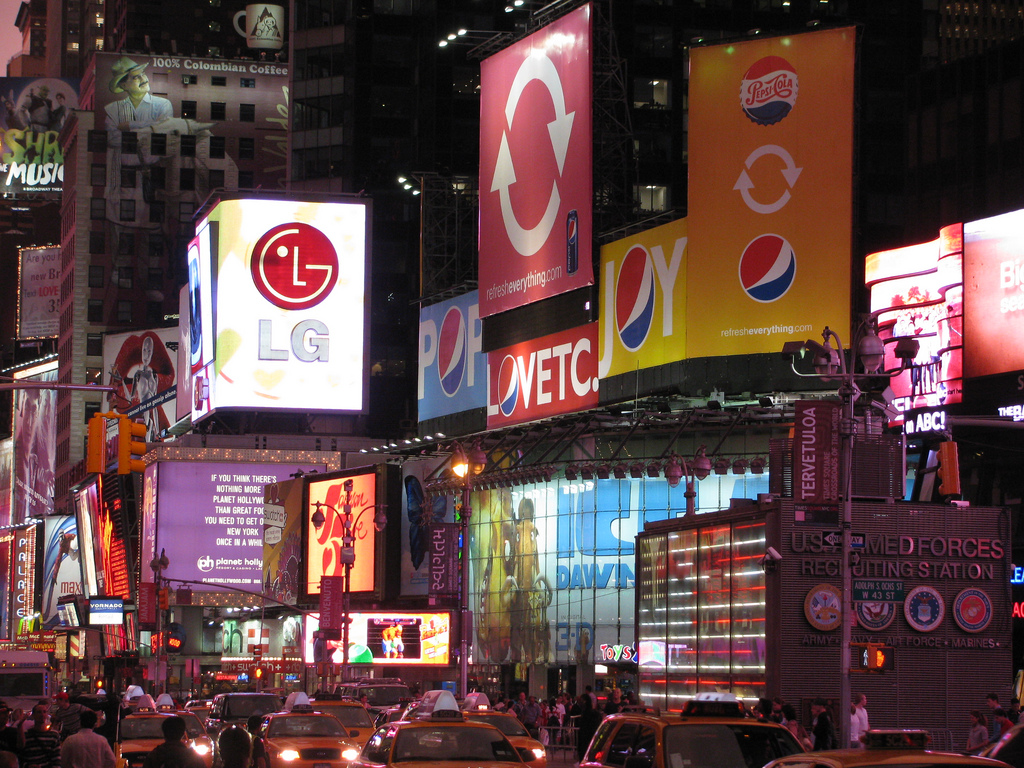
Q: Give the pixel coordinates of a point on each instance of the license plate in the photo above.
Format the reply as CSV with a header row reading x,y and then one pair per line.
x,y
321,765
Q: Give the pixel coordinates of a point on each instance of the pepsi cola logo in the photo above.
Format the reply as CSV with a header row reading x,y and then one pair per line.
x,y
634,298
767,268
508,386
294,266
452,353
768,91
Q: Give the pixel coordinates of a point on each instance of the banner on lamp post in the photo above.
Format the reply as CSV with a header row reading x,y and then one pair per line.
x,y
816,452
332,602
444,560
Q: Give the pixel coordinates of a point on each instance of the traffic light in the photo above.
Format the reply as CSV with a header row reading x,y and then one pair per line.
x,y
880,657
164,598
99,683
949,469
129,450
174,638
258,673
96,450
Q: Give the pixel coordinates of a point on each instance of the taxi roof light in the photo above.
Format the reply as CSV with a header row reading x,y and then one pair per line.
x,y
709,704
439,705
896,738
297,701
476,700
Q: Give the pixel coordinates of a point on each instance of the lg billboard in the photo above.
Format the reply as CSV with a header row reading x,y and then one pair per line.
x,y
278,305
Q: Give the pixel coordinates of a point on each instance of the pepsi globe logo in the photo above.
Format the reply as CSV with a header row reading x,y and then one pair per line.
x,y
508,386
294,266
634,298
767,268
768,91
452,352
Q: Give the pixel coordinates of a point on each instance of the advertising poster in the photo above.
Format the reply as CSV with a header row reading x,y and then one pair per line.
x,y
183,371
993,295
289,314
536,178
209,520
770,191
34,112
141,365
282,539
452,367
643,300
543,377
23,578
390,639
419,515
102,539
34,440
6,480
38,292
325,537
62,566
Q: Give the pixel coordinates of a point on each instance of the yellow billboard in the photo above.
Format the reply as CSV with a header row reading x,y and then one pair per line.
x,y
770,191
643,300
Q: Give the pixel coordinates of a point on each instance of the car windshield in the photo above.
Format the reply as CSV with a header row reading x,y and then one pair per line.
x,y
452,743
149,727
384,695
510,726
351,717
242,707
727,746
301,725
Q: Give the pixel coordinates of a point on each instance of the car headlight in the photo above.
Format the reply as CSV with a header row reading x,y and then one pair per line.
x,y
349,754
288,755
538,753
201,749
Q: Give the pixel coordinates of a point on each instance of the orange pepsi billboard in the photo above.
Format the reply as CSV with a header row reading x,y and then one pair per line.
x,y
535,166
770,191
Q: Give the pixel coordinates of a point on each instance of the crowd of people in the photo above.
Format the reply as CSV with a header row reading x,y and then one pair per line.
x,y
988,729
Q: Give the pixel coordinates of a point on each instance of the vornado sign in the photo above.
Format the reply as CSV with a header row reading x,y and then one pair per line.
x,y
286,283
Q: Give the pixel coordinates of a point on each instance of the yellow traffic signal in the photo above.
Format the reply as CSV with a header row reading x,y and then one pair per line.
x,y
129,450
949,469
164,598
96,448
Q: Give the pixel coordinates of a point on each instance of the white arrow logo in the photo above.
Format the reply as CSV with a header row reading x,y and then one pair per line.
x,y
790,173
534,67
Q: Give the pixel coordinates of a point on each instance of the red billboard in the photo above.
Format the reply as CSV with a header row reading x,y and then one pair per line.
x,y
535,166
543,377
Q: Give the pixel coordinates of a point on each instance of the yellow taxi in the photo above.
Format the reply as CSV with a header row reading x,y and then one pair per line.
x,y
712,731
300,737
887,749
353,716
477,708
141,731
439,736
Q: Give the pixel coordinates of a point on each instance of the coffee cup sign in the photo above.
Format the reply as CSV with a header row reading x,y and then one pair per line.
x,y
262,25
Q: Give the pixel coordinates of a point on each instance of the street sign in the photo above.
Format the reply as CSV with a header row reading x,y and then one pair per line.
x,y
877,591
857,541
833,538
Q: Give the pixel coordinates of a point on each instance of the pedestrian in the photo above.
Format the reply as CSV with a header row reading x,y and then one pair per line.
x,y
999,718
39,747
593,696
86,749
586,724
529,714
858,720
1013,713
66,718
823,732
777,715
234,747
992,701
614,702
8,759
796,727
8,733
978,735
173,752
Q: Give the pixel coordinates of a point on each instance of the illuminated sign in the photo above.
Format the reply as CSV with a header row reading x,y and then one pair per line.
x,y
535,166
106,610
452,368
770,191
35,111
39,292
395,638
925,421
326,546
141,368
288,325
643,304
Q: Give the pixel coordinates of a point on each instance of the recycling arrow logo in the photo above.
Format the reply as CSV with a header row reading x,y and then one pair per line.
x,y
745,186
536,67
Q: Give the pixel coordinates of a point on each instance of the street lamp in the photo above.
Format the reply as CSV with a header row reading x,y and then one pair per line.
x,y
347,554
159,565
830,364
694,469
465,466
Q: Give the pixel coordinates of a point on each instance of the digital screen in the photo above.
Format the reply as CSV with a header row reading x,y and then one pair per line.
x,y
67,615
325,537
395,638
106,610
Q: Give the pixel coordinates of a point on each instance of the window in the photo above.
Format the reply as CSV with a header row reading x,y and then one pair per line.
x,y
218,110
125,277
154,313
158,177
97,242
246,180
91,409
158,144
246,148
219,81
217,146
128,178
96,272
189,80
188,107
98,175
127,210
93,375
188,145
187,179
94,344
651,93
185,211
157,211
97,141
621,745
216,178
129,141
126,244
156,245
155,281
248,82
124,311
95,312
247,113
97,208
652,197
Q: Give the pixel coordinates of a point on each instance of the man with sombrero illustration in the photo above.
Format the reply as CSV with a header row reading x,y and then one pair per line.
x,y
139,108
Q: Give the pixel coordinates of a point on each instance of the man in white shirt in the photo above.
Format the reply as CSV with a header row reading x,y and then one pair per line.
x,y
858,720
86,749
139,108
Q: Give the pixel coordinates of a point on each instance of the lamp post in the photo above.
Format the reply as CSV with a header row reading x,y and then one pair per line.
x,y
830,364
466,467
159,565
347,554
694,469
